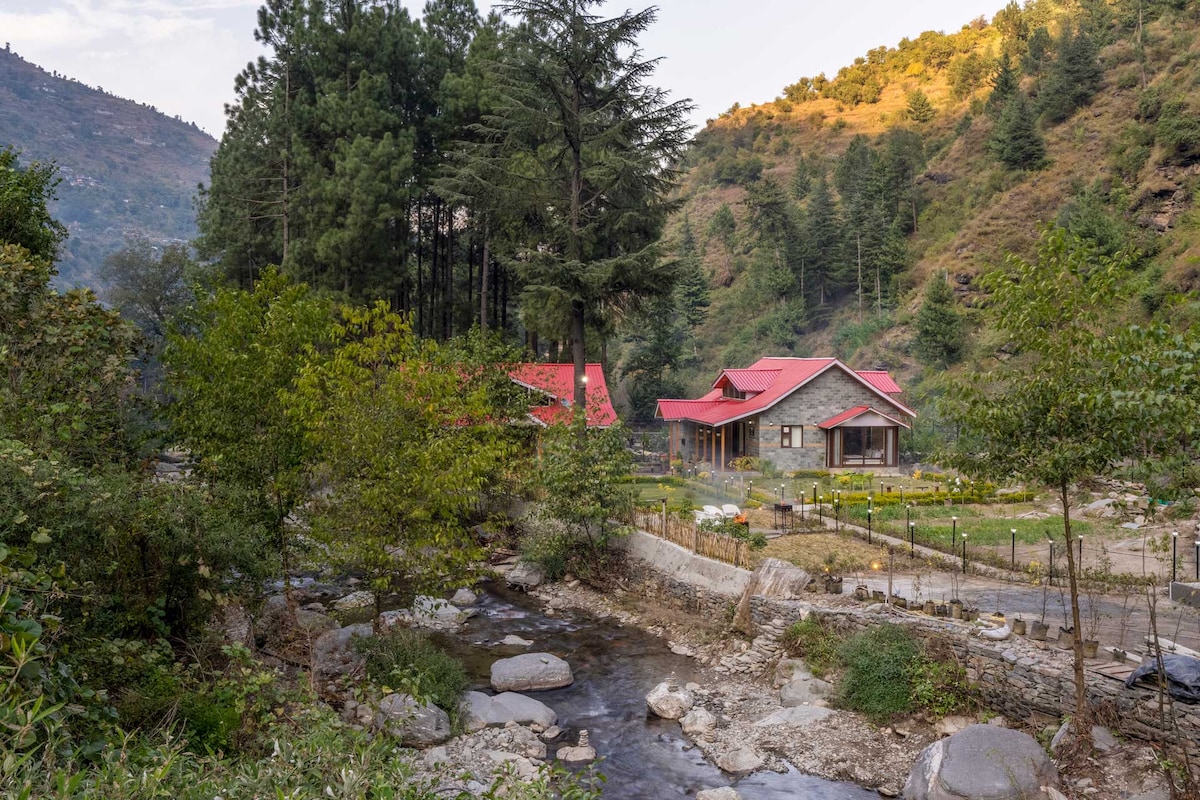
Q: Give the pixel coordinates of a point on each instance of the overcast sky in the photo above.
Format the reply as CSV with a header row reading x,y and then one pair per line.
x,y
182,55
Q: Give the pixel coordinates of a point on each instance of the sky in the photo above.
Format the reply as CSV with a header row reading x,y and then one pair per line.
x,y
181,56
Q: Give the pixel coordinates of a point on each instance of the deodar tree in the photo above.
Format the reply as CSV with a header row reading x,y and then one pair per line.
x,y
584,147
1048,415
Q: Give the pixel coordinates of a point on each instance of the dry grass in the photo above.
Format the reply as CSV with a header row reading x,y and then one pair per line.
x,y
812,551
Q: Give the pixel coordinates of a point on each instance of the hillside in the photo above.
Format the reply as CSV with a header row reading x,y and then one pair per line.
x,y
125,167
904,144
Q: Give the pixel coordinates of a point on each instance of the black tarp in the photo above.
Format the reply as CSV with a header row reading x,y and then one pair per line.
x,y
1183,676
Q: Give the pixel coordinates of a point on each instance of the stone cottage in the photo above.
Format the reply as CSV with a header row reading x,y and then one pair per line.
x,y
798,413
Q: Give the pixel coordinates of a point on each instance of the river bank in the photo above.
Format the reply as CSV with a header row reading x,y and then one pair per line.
x,y
840,746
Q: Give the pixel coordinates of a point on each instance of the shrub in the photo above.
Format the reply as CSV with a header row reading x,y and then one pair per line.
x,y
939,683
815,642
878,663
408,661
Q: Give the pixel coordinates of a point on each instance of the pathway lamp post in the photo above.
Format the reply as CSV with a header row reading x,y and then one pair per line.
x,y
907,514
814,494
750,491
1080,539
821,509
964,553
1013,567
869,532
782,493
1198,560
953,534
912,540
881,487
1050,568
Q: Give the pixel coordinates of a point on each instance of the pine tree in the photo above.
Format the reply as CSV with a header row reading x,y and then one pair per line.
x,y
1005,85
919,109
820,266
691,289
939,341
1016,141
802,178
1074,77
592,143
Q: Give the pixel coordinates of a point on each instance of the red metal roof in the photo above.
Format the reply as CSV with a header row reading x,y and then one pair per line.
x,y
790,374
880,380
747,380
557,381
855,412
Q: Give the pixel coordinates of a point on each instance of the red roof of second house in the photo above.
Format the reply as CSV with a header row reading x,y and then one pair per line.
x,y
778,377
557,381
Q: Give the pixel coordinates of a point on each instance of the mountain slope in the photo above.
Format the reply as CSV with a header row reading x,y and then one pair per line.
x,y
1121,169
125,168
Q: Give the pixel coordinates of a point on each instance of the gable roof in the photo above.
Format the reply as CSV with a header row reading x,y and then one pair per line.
x,y
557,382
855,413
779,378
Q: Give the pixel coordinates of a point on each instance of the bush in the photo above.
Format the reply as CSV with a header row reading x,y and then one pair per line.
x,y
812,640
879,662
939,683
408,661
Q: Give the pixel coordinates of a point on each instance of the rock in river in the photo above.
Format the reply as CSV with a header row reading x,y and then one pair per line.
x,y
982,762
669,701
480,711
531,672
740,761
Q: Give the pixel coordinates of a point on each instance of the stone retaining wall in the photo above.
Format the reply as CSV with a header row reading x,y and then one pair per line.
x,y
1019,678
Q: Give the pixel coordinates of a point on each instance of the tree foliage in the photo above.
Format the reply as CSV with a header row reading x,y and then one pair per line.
x,y
407,441
940,338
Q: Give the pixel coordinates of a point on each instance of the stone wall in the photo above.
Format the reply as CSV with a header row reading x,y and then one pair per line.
x,y
825,397
1023,680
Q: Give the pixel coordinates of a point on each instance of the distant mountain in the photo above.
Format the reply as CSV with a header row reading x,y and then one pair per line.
x,y
125,168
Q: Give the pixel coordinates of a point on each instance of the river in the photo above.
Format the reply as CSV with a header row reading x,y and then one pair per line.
x,y
614,667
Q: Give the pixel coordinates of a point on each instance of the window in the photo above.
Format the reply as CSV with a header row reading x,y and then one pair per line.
x,y
786,438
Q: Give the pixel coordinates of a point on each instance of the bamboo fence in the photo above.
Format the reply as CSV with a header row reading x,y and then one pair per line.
x,y
687,534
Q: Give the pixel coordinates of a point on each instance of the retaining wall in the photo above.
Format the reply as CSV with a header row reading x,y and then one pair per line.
x,y
1024,680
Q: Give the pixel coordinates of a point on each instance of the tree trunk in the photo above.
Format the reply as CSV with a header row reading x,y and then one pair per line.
x,y
483,283
1082,720
579,353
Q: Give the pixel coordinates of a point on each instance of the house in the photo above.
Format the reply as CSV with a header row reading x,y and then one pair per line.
x,y
551,390
798,413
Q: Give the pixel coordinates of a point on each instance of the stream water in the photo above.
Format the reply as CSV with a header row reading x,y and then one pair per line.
x,y
614,668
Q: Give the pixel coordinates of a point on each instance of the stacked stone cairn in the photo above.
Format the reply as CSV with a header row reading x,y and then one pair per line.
x,y
761,654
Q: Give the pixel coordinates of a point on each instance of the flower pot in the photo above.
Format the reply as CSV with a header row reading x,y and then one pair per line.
x,y
1038,631
970,614
862,593
956,609
1090,648
930,607
1066,638
1119,655
877,596
833,585
941,610
899,602
1018,627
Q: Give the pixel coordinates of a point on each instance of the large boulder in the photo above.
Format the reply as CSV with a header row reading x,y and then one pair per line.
x,y
525,575
804,690
982,762
670,701
333,654
740,761
464,597
531,672
773,579
414,724
698,722
480,711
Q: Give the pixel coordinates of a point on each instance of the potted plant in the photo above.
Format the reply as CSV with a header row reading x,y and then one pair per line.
x,y
1018,626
